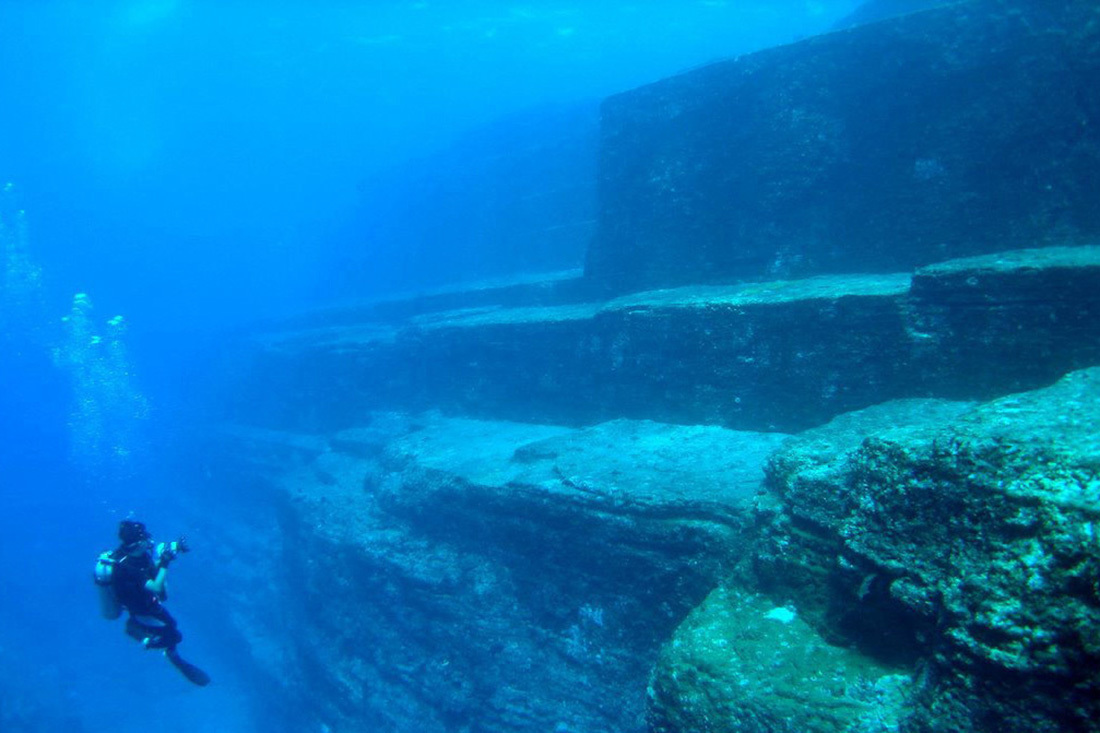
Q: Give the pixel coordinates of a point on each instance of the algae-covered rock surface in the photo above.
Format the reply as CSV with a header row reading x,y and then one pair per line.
x,y
742,663
568,502
937,551
957,542
921,565
466,575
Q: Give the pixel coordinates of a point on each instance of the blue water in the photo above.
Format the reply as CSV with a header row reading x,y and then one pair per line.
x,y
198,166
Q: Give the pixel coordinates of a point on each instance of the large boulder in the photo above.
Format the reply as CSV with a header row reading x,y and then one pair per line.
x,y
742,663
951,542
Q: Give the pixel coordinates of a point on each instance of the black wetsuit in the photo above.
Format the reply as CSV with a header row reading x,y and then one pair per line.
x,y
149,619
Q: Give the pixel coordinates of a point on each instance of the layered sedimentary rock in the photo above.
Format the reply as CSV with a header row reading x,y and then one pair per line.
x,y
922,564
948,548
1004,322
454,574
783,355
462,574
960,130
482,529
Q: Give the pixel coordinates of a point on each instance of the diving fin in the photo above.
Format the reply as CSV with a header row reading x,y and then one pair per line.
x,y
190,671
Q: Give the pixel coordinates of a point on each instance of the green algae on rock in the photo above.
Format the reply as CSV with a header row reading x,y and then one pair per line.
x,y
961,545
741,663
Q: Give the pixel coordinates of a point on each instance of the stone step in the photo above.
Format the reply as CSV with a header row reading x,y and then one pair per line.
x,y
435,555
781,356
544,288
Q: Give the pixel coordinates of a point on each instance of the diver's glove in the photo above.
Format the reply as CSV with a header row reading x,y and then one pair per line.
x,y
167,551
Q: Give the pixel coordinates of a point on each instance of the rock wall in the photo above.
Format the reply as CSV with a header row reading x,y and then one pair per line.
x,y
960,130
784,355
523,585
528,506
922,565
947,548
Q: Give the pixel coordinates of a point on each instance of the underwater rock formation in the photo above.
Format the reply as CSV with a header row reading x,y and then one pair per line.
x,y
916,557
741,663
826,238
948,542
924,565
1004,322
960,130
783,355
523,585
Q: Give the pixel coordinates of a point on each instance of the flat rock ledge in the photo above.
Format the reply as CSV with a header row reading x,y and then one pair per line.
x,y
492,576
769,356
948,550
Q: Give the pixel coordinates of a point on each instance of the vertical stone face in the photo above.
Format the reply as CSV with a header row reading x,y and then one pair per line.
x,y
955,131
784,355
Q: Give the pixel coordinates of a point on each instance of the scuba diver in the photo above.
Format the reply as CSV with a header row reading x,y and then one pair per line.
x,y
134,577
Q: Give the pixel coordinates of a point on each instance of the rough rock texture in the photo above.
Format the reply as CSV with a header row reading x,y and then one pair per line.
x,y
741,663
1010,321
918,565
955,541
951,132
462,575
783,355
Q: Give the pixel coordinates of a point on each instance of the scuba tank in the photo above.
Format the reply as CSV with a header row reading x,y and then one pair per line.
x,y
109,606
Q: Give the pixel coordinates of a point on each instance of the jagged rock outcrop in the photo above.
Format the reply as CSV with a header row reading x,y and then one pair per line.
x,y
948,541
463,575
480,575
741,663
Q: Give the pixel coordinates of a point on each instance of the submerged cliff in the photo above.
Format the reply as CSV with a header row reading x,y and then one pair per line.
x,y
925,563
850,486
960,130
